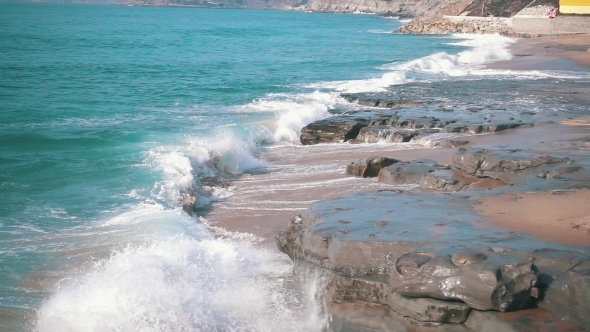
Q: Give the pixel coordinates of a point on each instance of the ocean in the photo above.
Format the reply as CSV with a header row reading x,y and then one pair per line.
x,y
110,114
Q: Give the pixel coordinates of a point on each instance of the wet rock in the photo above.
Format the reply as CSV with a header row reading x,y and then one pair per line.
x,y
482,128
564,279
562,170
383,102
463,258
421,122
332,130
409,264
453,143
189,199
215,181
370,167
408,172
420,309
374,134
442,180
422,251
343,128
568,295
499,164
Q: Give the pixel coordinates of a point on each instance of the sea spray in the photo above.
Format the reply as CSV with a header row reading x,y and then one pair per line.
x,y
483,49
184,281
294,111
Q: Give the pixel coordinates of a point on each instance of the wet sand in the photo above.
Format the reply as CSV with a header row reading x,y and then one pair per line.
x,y
560,216
559,52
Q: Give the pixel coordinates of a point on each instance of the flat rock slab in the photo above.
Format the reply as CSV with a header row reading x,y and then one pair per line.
x,y
442,180
427,246
409,172
483,128
377,101
507,165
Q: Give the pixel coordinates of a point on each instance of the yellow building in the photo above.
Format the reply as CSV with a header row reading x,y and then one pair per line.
x,y
574,6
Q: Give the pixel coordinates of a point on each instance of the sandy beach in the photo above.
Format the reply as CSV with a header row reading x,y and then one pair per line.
x,y
560,52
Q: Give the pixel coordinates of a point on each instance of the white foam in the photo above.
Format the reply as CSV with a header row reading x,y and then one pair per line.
x,y
224,151
182,281
228,151
136,215
367,85
434,140
379,31
484,49
295,111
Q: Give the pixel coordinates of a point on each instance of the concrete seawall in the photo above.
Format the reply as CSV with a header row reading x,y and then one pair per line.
x,y
532,24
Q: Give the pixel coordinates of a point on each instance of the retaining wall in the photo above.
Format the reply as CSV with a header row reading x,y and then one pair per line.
x,y
533,24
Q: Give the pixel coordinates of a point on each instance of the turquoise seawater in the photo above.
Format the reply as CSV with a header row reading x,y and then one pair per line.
x,y
109,114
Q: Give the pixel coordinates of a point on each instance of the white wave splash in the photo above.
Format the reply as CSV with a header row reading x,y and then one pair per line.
x,y
295,111
484,49
181,279
224,152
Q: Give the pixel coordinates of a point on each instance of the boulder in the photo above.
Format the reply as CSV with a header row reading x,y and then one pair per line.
x,y
370,167
566,278
332,130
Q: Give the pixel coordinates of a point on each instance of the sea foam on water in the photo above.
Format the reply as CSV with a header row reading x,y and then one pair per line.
x,y
181,279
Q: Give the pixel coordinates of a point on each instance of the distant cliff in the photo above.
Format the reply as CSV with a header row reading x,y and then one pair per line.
x,y
393,7
271,4
404,8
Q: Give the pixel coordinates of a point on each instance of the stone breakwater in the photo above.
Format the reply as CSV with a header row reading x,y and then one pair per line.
x,y
441,25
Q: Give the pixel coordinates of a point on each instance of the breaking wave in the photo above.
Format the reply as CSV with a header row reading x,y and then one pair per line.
x,y
181,278
483,49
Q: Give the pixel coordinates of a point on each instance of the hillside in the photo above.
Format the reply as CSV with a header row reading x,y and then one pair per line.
x,y
405,8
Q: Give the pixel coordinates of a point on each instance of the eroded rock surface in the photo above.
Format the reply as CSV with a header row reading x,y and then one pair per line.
x,y
502,164
442,180
332,130
409,172
377,101
423,257
483,128
368,168
370,128
389,134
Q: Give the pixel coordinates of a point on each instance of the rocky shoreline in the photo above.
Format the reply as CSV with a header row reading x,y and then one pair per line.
x,y
420,260
441,25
